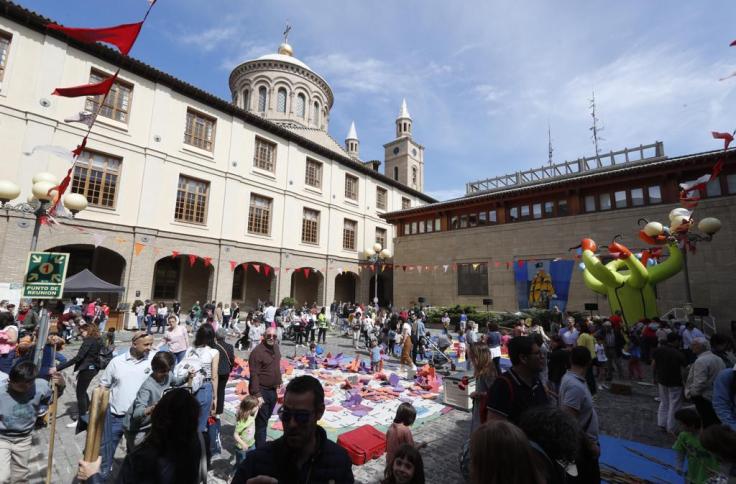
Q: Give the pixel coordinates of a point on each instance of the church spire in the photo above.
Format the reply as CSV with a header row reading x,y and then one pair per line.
x,y
352,144
403,122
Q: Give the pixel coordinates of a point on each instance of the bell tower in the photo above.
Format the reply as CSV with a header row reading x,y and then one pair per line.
x,y
404,157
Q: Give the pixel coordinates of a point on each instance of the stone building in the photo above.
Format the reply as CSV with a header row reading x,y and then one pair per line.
x,y
538,215
255,189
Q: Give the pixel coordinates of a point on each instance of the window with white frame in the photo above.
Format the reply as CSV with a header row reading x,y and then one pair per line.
x,y
310,226
351,187
96,177
259,215
301,105
381,236
313,175
117,102
262,99
281,100
191,200
5,39
381,198
200,130
264,156
349,233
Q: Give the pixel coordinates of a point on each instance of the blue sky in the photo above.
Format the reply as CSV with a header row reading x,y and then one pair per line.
x,y
482,78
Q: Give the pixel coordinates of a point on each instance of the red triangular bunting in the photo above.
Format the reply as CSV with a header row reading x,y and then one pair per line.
x,y
266,270
99,89
121,36
207,261
257,267
306,272
174,254
192,260
80,147
233,265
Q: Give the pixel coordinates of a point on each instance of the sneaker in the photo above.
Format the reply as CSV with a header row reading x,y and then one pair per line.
x,y
71,424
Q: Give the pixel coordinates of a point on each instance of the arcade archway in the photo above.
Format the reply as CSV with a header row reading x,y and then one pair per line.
x,y
307,286
346,287
105,263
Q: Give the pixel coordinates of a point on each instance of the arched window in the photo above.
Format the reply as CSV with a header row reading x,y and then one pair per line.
x,y
396,173
281,100
414,175
246,99
262,99
315,114
301,105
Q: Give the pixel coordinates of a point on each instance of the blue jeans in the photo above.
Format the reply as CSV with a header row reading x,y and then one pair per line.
x,y
101,325
140,322
180,356
241,454
204,397
111,435
149,323
264,413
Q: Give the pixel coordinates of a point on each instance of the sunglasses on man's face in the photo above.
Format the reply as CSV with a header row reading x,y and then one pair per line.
x,y
270,336
301,416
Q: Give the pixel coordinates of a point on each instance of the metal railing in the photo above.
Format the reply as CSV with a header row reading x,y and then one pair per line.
x,y
559,170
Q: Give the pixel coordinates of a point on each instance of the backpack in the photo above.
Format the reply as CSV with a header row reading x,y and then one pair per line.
x,y
191,361
105,356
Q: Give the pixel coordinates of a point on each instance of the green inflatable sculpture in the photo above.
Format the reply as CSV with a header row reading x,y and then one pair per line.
x,y
626,282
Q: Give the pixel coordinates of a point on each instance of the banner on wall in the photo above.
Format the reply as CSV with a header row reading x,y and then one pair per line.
x,y
543,284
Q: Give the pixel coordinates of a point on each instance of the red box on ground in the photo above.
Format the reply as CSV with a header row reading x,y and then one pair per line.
x,y
363,444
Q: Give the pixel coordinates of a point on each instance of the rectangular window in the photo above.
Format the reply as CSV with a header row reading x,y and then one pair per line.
x,y
537,210
463,221
405,203
381,237
166,277
437,225
264,156
492,217
313,176
406,229
191,200
637,197
413,227
713,188
562,210
514,214
655,194
421,226
590,203
430,225
381,198
200,130
549,209
351,187
4,50
605,201
483,218
473,220
310,226
454,222
472,279
259,215
117,102
349,229
731,183
525,212
620,199
96,177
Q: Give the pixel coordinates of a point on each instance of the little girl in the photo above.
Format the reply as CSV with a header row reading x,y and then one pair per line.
x,y
245,428
601,360
399,432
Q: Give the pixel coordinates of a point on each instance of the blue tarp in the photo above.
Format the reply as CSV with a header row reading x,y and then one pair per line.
x,y
614,453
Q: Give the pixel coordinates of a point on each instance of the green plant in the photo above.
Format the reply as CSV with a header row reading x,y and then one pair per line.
x,y
288,302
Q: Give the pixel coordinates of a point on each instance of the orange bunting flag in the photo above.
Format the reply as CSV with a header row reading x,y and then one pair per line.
x,y
138,248
233,265
192,260
207,261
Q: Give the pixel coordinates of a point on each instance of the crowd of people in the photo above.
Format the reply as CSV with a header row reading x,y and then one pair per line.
x,y
536,422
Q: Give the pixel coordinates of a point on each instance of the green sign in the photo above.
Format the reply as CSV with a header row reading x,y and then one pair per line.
x,y
45,274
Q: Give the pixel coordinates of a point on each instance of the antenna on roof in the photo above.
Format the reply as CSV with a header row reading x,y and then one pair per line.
x,y
595,128
549,144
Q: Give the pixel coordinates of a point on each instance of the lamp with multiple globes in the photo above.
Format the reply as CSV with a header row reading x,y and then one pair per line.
x,y
376,255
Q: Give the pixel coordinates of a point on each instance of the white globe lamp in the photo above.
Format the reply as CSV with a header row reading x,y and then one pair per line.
x,y
8,191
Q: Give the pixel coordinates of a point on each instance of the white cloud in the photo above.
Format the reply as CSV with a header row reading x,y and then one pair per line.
x,y
208,40
446,193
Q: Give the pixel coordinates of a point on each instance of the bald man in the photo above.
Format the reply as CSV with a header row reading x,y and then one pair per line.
x,y
265,379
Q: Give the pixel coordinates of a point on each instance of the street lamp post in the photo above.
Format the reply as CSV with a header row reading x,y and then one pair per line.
x,y
43,193
376,255
708,226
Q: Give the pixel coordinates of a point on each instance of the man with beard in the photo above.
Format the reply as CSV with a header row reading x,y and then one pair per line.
x,y
303,454
265,378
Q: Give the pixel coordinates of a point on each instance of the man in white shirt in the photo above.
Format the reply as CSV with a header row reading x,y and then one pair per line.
x,y
269,314
688,335
124,376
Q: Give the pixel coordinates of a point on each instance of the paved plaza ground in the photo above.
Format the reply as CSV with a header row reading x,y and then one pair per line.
x,y
631,417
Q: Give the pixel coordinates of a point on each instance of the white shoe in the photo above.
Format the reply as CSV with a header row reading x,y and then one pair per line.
x,y
71,424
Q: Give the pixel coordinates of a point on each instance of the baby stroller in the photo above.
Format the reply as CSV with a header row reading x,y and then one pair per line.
x,y
437,358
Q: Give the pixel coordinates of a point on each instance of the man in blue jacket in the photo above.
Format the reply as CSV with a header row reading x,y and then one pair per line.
x,y
303,455
724,397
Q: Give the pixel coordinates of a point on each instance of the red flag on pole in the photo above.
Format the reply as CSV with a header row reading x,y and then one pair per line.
x,y
726,137
99,89
121,36
192,260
